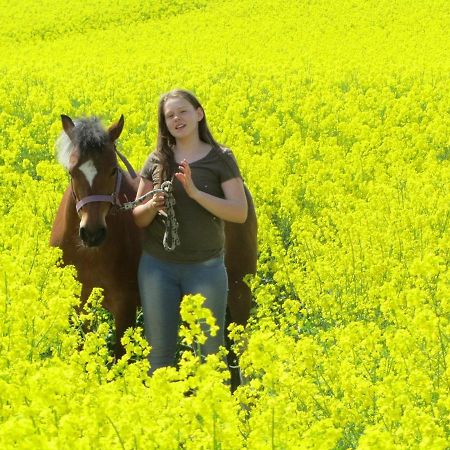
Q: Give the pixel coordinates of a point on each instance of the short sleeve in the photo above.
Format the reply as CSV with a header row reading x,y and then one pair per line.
x,y
151,169
229,169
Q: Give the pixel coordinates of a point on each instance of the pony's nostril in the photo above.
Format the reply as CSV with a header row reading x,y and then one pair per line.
x,y
83,234
99,236
92,238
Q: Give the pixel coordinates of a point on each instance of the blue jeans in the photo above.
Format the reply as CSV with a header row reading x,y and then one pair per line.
x,y
162,285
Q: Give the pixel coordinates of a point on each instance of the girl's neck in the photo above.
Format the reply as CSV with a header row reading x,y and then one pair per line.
x,y
192,146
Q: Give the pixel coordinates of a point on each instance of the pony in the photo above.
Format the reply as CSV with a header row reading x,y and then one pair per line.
x,y
101,240
102,243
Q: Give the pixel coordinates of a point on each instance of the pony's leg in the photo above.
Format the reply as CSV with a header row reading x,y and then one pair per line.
x,y
232,358
239,304
124,312
239,299
83,327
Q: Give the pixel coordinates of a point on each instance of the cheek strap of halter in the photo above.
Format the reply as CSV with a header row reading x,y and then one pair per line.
x,y
127,164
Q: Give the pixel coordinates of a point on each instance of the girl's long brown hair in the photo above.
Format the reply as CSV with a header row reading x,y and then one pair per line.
x,y
166,142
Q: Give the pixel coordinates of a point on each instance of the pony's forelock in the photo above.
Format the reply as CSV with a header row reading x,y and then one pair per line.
x,y
88,134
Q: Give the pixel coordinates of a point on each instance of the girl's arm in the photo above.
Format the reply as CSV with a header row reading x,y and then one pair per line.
x,y
144,214
232,208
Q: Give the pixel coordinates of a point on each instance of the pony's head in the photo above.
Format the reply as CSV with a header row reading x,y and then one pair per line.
x,y
87,151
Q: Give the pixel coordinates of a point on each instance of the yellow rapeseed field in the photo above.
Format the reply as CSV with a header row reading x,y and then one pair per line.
x,y
338,113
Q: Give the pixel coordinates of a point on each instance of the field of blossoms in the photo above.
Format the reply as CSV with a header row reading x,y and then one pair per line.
x,y
338,113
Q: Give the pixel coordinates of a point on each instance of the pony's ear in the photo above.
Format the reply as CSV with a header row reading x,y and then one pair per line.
x,y
115,129
67,124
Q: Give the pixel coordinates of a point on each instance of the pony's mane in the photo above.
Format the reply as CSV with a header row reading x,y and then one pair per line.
x,y
88,135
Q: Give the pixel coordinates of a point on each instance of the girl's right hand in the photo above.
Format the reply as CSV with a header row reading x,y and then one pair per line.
x,y
144,214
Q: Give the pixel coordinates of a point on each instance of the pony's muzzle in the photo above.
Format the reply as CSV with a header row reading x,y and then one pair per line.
x,y
92,238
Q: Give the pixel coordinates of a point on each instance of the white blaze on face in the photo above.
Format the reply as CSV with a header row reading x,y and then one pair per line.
x,y
89,170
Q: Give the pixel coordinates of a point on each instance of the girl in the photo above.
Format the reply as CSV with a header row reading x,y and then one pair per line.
x,y
208,190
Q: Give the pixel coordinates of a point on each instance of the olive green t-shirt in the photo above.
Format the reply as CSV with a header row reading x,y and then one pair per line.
x,y
201,233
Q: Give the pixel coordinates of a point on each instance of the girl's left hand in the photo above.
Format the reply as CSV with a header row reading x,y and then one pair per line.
x,y
185,178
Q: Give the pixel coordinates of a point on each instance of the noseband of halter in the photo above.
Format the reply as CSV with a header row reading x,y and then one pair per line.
x,y
112,198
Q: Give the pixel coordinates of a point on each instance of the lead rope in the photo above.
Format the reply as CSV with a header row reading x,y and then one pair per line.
x,y
171,231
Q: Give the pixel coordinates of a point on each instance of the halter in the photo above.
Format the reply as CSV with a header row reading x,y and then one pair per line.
x,y
112,198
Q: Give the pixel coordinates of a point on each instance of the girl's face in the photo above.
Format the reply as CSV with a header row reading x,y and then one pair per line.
x,y
181,117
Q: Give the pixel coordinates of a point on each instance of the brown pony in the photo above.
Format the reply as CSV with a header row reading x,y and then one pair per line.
x,y
105,248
